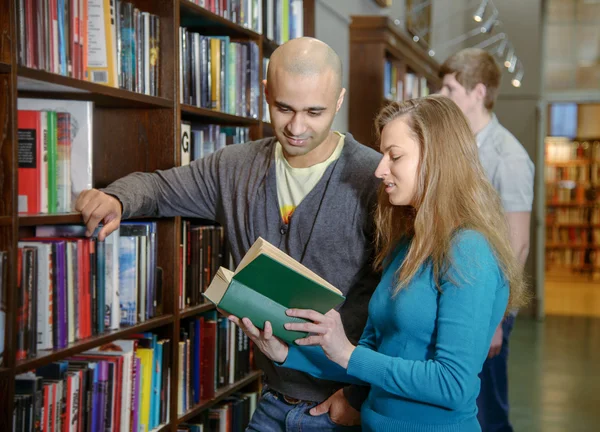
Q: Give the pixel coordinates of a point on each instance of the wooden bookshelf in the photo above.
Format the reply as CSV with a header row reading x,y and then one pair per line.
x,y
131,132
50,219
192,112
37,83
373,40
572,171
219,396
45,357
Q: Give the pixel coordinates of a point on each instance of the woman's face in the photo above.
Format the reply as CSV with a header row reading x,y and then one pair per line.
x,y
398,168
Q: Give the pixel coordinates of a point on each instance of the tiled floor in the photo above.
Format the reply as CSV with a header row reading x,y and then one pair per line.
x,y
554,373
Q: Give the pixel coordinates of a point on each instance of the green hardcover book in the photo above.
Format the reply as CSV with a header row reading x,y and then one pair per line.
x,y
52,160
267,283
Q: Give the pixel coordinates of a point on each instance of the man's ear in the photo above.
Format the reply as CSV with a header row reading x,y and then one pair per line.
x,y
264,83
340,100
481,91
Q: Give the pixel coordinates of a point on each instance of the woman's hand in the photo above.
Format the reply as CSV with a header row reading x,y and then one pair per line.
x,y
271,346
328,332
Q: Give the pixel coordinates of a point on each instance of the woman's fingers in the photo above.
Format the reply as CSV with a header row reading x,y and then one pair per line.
x,y
306,313
306,327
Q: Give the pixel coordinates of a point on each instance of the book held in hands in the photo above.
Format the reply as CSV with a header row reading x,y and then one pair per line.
x,y
265,284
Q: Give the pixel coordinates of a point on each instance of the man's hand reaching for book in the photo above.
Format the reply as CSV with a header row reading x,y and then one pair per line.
x,y
270,345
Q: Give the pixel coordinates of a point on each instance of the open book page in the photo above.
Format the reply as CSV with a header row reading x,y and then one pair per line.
x,y
218,286
263,246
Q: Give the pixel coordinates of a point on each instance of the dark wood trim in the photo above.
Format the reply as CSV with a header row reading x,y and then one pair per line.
x,y
50,219
196,310
381,29
194,16
309,18
269,46
42,84
45,357
5,220
219,396
220,117
5,67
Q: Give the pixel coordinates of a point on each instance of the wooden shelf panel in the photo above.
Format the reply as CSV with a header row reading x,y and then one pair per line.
x,y
219,396
50,219
189,111
573,246
39,83
584,204
573,225
194,16
5,67
196,310
268,47
45,357
5,220
570,163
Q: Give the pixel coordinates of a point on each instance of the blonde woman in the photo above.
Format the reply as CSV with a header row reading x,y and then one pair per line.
x,y
449,275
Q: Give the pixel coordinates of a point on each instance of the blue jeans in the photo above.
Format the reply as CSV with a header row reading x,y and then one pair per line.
x,y
492,402
274,414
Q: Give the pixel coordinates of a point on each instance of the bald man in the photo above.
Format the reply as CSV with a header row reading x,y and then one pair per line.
x,y
309,191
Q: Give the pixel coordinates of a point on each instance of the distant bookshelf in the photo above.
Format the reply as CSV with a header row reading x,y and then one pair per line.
x,y
572,176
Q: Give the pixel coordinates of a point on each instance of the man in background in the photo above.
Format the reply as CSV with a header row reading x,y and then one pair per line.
x,y
471,78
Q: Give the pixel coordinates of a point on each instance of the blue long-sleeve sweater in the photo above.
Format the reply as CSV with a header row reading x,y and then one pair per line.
x,y
422,350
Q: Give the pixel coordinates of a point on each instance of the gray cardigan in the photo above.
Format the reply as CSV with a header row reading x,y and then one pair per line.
x,y
331,231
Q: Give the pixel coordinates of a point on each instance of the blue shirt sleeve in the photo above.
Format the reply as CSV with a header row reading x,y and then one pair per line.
x,y
468,312
312,360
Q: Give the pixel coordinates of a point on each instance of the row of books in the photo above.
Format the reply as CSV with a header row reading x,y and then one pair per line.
x,y
573,216
231,415
399,87
103,41
3,298
203,251
278,20
567,236
121,386
200,140
55,153
566,193
213,353
219,74
566,257
563,149
576,173
71,287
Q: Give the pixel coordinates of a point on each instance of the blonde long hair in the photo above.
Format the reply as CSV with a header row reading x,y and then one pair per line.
x,y
452,193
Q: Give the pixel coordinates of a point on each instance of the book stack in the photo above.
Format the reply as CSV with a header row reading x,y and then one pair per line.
x,y
120,386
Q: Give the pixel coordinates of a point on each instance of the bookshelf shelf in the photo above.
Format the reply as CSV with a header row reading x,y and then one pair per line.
x,y
571,246
189,111
45,357
196,310
582,204
50,219
5,67
194,16
219,396
39,83
5,220
269,46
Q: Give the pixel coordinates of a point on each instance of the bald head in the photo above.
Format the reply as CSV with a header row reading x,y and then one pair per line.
x,y
306,56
